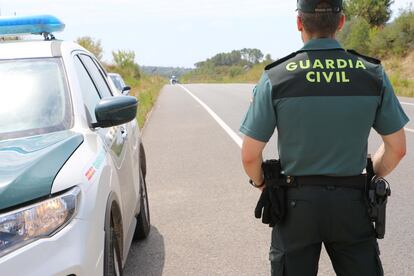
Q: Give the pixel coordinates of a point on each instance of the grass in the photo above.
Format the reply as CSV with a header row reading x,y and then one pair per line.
x,y
224,74
401,74
146,89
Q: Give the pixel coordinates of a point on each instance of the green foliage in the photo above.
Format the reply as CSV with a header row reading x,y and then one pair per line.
x,y
123,58
225,74
356,34
402,85
253,56
375,12
395,38
91,45
164,71
125,64
268,59
145,88
224,67
147,92
234,58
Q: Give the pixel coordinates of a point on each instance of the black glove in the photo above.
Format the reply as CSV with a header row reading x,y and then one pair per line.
x,y
263,208
271,206
277,196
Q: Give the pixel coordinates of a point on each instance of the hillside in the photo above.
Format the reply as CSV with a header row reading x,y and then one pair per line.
x,y
164,71
401,73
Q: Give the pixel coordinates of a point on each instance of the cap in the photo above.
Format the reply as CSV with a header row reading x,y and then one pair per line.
x,y
310,6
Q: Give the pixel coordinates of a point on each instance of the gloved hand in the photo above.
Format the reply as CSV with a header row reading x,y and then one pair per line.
x,y
263,208
271,206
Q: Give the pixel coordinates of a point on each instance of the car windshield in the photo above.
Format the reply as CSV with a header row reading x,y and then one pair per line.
x,y
33,97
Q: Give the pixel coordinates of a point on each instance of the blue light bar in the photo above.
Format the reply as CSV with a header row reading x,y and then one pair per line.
x,y
39,24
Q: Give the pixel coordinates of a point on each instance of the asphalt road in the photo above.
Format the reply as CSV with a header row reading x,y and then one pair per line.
x,y
202,207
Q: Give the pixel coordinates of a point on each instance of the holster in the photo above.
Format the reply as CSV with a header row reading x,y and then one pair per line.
x,y
377,192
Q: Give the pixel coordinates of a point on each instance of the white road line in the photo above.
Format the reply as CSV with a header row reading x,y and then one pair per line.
x,y
236,138
409,129
407,103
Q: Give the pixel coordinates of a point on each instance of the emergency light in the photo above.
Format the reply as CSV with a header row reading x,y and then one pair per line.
x,y
40,24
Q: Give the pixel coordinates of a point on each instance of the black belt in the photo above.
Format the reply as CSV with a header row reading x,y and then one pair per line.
x,y
354,182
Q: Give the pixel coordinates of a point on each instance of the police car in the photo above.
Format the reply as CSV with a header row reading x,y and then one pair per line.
x,y
72,166
119,83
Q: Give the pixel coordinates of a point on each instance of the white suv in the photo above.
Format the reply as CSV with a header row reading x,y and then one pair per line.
x,y
72,166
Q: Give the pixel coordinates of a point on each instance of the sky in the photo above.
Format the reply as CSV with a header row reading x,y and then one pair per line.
x,y
175,33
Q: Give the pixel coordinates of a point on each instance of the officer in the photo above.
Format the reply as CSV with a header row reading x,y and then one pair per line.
x,y
324,100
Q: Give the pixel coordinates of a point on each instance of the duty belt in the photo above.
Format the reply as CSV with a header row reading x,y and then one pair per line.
x,y
353,182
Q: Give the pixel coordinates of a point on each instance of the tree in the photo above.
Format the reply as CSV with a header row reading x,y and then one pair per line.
x,y
91,45
397,38
123,58
375,12
268,58
251,55
356,35
125,61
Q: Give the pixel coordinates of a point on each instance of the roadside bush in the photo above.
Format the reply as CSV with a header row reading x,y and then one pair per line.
x,y
404,28
356,35
396,38
235,71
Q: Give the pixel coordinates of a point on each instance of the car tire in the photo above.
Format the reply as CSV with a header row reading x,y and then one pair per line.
x,y
143,219
142,160
112,254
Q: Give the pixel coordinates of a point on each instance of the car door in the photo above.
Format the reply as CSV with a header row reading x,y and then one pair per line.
x,y
119,145
133,141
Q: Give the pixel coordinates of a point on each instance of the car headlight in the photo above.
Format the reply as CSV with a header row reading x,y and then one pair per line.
x,y
40,220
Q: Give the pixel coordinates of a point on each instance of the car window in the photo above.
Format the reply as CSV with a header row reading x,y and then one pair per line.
x,y
116,82
89,93
34,97
103,72
121,81
97,76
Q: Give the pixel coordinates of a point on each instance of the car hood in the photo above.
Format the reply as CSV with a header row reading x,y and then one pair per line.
x,y
29,165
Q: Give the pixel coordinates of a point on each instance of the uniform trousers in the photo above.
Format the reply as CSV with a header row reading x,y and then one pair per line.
x,y
334,216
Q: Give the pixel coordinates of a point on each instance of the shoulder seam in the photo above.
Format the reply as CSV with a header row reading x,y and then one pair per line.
x,y
367,58
279,61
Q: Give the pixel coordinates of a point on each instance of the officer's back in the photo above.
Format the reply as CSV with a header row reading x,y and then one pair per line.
x,y
323,100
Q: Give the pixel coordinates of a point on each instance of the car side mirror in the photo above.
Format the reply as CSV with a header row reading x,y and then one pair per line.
x,y
126,90
114,111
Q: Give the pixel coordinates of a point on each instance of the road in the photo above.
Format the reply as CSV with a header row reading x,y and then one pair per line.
x,y
202,206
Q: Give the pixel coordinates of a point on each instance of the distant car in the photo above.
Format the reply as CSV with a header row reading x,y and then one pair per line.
x,y
119,83
174,80
73,194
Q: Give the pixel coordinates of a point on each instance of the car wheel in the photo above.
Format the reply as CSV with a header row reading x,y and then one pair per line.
x,y
143,220
112,256
142,160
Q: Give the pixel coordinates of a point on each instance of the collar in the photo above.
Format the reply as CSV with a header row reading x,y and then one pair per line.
x,y
321,44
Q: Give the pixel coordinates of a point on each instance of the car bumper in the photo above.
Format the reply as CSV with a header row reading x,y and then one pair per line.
x,y
75,250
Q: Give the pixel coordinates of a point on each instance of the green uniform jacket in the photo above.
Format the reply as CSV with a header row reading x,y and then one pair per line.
x,y
323,101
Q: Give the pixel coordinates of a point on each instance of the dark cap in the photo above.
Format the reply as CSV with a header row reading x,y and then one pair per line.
x,y
310,6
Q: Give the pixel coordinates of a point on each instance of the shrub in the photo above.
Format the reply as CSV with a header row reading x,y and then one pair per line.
x,y
356,35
